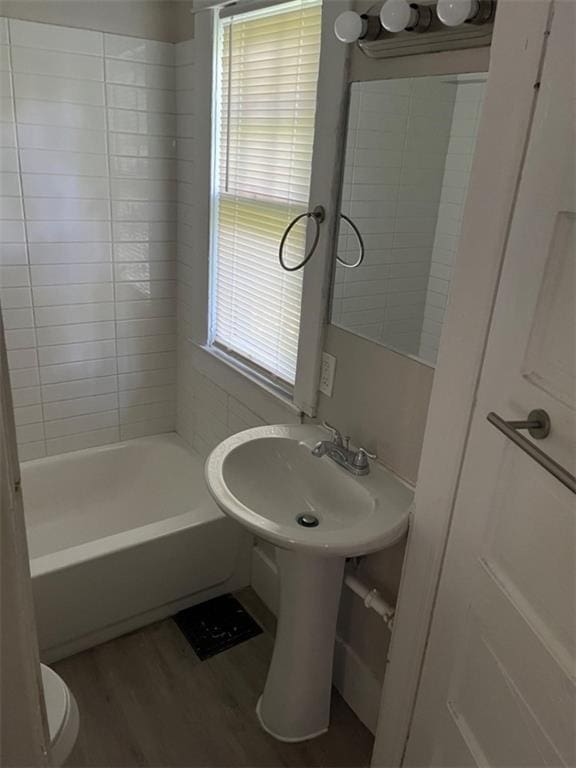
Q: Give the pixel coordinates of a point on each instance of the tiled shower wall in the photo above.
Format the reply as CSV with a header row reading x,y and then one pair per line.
x,y
465,121
397,139
87,237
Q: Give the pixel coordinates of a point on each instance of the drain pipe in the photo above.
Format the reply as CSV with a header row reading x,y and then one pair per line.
x,y
371,598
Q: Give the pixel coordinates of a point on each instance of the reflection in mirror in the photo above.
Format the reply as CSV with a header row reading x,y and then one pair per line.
x,y
408,157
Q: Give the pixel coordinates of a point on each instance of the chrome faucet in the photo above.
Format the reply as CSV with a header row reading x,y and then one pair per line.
x,y
338,449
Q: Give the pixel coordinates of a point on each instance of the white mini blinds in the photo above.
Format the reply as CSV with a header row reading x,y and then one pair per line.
x,y
266,101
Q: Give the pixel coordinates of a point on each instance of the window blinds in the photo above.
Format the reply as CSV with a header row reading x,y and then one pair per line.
x,y
266,99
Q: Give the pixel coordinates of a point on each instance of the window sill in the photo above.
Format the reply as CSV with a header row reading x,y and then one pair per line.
x,y
267,401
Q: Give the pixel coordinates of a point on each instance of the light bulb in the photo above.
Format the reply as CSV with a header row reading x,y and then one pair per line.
x,y
349,27
398,15
452,13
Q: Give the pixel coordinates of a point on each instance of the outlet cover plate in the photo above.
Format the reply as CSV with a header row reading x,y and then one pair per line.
x,y
327,371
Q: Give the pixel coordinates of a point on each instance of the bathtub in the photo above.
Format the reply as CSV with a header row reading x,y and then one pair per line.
x,y
122,535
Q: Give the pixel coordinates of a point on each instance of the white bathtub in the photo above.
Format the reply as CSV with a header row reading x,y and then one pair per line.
x,y
122,535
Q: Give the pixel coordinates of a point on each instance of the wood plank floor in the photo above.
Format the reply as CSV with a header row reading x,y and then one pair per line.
x,y
145,699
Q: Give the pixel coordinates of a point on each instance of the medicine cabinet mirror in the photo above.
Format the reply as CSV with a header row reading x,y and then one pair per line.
x,y
409,150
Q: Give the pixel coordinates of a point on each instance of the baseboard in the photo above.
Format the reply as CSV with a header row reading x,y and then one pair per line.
x,y
352,678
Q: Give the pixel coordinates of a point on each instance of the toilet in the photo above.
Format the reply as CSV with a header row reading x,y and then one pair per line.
x,y
63,717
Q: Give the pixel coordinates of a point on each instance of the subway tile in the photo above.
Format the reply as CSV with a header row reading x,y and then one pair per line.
x,y
18,318
71,231
27,414
82,441
59,89
68,408
9,184
14,277
63,354
139,74
144,189
80,424
154,231
22,338
46,296
69,334
7,134
136,310
135,49
146,362
66,209
147,213
8,160
149,123
30,433
146,290
86,369
83,388
147,412
142,251
51,37
69,253
31,451
24,377
131,397
135,145
67,115
145,345
11,208
4,57
143,428
12,232
140,99
64,274
72,314
61,138
4,38
57,63
22,358
141,168
184,52
63,163
142,379
154,326
15,298
47,185
13,254
26,396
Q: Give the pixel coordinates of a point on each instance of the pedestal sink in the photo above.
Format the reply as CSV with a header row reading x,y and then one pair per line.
x,y
317,514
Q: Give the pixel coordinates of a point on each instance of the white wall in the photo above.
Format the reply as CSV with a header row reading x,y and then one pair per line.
x,y
87,255
397,140
465,121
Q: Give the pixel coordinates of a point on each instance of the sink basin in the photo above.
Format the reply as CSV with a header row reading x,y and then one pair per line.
x,y
266,478
317,514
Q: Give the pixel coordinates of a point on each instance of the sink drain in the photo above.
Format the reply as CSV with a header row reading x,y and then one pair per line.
x,y
307,520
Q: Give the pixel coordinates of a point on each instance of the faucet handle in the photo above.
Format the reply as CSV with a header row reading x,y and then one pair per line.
x,y
336,434
360,460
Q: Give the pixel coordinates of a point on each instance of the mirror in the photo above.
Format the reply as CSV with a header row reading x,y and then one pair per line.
x,y
409,152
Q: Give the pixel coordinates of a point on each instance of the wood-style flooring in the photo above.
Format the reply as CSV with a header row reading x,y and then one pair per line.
x,y
145,699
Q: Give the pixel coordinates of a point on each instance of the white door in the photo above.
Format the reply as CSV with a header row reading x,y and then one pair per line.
x,y
498,684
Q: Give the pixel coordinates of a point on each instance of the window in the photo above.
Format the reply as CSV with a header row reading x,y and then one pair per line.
x,y
265,102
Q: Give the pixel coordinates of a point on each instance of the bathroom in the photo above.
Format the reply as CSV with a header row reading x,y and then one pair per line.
x,y
284,289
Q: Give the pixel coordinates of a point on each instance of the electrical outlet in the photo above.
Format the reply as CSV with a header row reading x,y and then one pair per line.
x,y
327,371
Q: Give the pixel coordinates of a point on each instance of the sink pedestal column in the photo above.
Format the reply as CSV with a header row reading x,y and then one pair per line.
x,y
295,705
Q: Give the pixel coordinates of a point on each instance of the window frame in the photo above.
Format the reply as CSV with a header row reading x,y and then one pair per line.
x,y
324,189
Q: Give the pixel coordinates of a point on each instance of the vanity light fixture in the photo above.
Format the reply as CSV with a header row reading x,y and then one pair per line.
x,y
400,16
453,13
351,26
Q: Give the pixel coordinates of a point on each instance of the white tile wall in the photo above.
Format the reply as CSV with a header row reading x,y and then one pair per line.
x,y
398,135
87,234
463,131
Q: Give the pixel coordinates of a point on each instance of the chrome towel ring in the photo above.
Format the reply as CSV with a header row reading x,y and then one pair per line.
x,y
317,215
356,231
